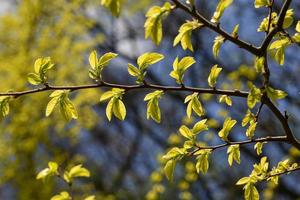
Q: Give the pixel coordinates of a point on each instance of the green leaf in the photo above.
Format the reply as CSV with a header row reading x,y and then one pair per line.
x,y
251,129
194,104
148,58
34,79
62,196
259,64
133,71
50,106
254,96
223,4
76,171
219,40
202,164
50,171
67,108
233,152
153,23
227,126
169,169
225,99
235,31
288,19
90,198
258,146
180,67
184,36
93,59
153,110
251,192
174,154
298,27
106,58
243,181
4,105
113,5
186,132
119,109
262,3
109,109
214,73
249,117
275,94
200,126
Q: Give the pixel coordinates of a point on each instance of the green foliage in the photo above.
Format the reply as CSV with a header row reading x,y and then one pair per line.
x,y
144,61
254,96
279,47
115,104
153,24
98,64
234,154
249,117
194,104
185,32
153,110
258,146
180,67
219,40
259,64
4,105
41,66
223,4
213,76
61,98
51,170
227,126
62,196
76,171
251,129
113,5
225,99
275,94
262,3
202,158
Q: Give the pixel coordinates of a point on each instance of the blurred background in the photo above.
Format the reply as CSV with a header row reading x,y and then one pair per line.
x,y
125,157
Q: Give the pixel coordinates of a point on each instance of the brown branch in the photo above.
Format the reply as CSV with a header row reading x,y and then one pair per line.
x,y
264,139
236,93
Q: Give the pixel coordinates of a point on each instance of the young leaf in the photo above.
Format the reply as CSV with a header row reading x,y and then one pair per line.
x,y
259,64
184,36
169,169
275,94
180,67
261,3
4,105
202,164
227,126
254,96
219,40
258,146
251,129
194,104
223,4
153,110
225,99
233,152
62,196
214,73
51,170
76,171
200,126
186,132
153,23
249,117
251,192
113,5
115,104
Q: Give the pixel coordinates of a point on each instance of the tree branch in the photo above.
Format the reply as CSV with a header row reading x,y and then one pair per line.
x,y
236,93
264,139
